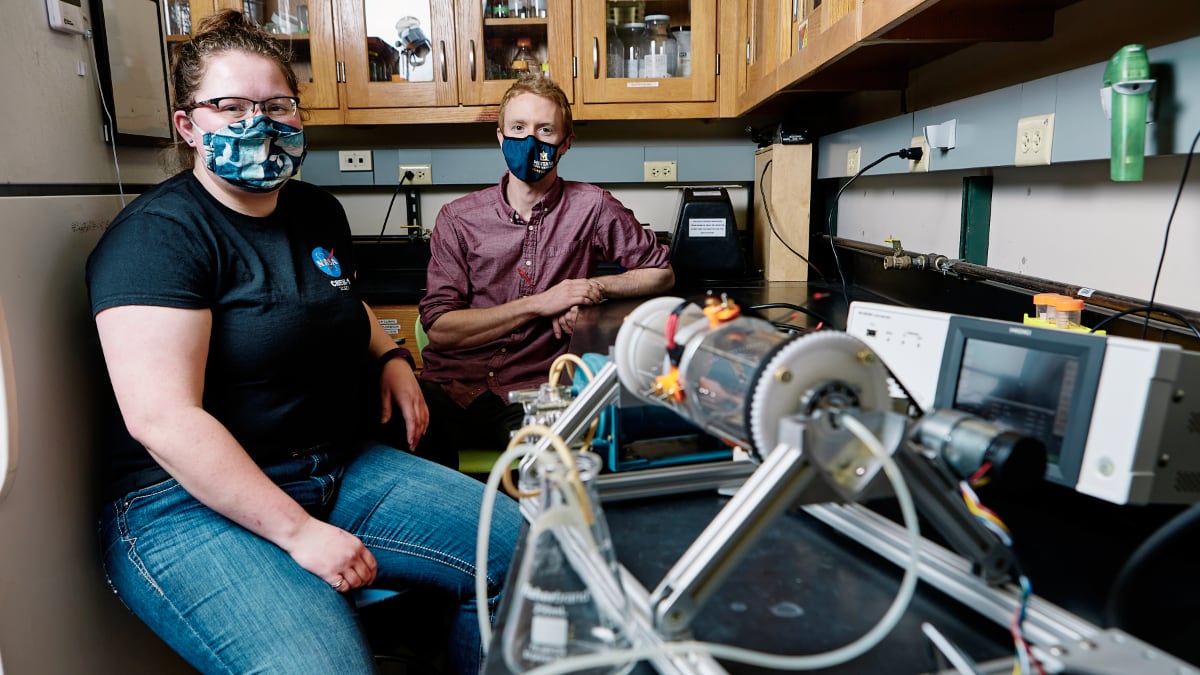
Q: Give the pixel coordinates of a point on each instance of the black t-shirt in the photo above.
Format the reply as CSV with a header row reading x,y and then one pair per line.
x,y
288,348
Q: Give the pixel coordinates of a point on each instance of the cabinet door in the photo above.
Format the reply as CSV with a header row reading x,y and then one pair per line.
x,y
397,53
488,41
314,62
305,26
626,19
762,48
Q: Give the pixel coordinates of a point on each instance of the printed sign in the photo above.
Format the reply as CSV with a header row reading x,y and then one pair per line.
x,y
706,227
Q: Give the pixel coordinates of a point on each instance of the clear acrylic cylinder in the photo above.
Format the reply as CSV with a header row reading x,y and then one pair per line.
x,y
719,366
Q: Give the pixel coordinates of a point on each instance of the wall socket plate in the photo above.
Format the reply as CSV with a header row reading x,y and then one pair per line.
x,y
659,171
922,165
355,160
853,160
422,173
1035,139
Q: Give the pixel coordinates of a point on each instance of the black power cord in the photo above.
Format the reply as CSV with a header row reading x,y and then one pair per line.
x,y
1167,235
903,153
762,191
408,176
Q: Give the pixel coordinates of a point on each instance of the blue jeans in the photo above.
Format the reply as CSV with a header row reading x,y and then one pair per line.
x,y
229,601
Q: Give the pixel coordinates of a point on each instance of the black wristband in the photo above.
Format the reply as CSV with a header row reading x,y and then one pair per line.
x,y
396,353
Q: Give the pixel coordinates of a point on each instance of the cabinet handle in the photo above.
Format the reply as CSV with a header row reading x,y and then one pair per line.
x,y
340,71
795,11
595,58
445,77
471,59
747,52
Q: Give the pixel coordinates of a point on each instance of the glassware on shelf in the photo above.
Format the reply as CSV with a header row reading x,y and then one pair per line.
x,y
616,51
626,11
632,35
179,18
683,37
568,599
253,9
661,51
497,64
523,60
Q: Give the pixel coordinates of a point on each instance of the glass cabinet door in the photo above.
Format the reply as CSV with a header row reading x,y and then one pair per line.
x,y
648,51
398,53
306,26
500,39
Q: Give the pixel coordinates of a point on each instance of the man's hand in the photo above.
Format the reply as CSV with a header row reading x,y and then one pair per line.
x,y
564,324
568,294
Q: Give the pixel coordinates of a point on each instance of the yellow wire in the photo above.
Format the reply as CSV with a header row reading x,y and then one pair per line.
x,y
556,369
568,460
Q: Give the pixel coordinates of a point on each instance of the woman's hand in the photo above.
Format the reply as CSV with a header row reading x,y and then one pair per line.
x,y
339,558
398,388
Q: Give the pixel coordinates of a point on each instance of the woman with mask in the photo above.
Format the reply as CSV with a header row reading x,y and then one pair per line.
x,y
510,267
242,502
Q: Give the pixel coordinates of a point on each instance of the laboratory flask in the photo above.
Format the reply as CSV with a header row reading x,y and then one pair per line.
x,y
632,35
616,52
660,51
568,599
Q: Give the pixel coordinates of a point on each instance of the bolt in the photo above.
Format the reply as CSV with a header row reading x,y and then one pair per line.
x,y
866,356
783,375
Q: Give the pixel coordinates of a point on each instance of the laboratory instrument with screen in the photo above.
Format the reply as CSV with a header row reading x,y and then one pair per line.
x,y
1114,413
799,408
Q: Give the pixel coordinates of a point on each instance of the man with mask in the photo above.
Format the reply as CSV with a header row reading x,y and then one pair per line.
x,y
511,266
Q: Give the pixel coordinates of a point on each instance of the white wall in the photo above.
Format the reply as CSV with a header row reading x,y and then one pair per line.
x,y
50,117
1067,223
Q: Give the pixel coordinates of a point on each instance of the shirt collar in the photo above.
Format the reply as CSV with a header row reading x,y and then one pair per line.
x,y
548,202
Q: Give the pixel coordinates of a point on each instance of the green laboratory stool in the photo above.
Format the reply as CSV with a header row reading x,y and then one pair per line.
x,y
477,463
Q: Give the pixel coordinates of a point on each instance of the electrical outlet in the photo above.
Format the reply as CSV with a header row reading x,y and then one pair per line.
x,y
853,160
921,165
658,171
422,173
354,160
1035,138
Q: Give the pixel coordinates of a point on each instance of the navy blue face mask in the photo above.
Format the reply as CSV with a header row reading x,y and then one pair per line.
x,y
529,159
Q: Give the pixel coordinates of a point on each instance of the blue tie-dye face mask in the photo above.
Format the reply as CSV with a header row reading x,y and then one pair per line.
x,y
257,154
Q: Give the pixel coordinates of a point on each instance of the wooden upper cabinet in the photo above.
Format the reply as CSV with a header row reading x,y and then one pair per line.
x,y
489,40
594,38
397,54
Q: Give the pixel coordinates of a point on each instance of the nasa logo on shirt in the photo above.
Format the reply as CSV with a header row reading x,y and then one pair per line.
x,y
326,262
329,265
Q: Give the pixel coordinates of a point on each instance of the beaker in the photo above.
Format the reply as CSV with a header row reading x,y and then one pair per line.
x,y
660,51
568,599
616,52
632,35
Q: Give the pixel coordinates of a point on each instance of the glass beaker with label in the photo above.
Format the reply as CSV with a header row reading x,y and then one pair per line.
x,y
661,51
616,51
568,599
683,63
632,35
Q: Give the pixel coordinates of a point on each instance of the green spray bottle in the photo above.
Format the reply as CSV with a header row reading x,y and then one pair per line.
x,y
1127,86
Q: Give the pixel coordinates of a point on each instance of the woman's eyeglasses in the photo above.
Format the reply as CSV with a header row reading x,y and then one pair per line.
x,y
236,108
